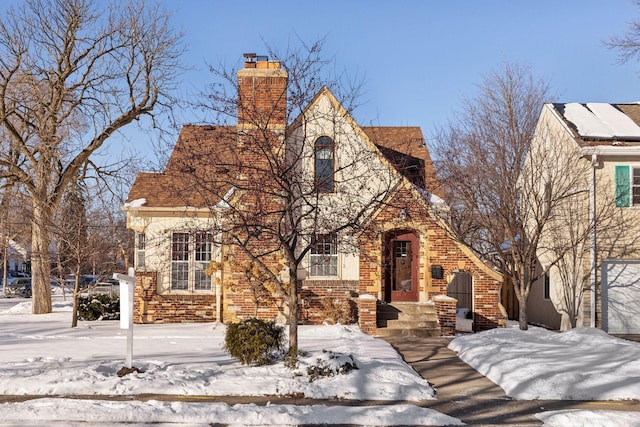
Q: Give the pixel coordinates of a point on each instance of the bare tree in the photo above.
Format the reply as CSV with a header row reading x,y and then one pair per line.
x,y
270,207
72,237
72,73
627,44
480,158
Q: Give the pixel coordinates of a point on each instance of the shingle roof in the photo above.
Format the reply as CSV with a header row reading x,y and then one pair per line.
x,y
203,155
406,148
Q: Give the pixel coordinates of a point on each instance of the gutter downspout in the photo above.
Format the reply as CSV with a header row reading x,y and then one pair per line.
x,y
592,246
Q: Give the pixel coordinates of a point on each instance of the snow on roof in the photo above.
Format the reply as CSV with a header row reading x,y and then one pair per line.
x,y
136,203
430,197
224,202
601,120
621,124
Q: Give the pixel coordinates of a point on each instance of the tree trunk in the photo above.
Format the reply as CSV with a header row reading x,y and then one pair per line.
x,y
292,354
76,291
522,316
40,262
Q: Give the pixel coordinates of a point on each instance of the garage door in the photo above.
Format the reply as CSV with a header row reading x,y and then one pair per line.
x,y
621,296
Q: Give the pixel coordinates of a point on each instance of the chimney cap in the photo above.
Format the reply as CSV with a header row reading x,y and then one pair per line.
x,y
253,57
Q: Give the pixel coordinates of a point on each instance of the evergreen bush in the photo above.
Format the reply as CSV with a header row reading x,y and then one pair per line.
x,y
98,307
255,342
331,364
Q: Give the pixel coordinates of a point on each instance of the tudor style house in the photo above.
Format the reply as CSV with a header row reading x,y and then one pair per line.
x,y
596,281
375,188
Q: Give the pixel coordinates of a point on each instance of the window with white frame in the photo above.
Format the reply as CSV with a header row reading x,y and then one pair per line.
x,y
323,258
190,256
140,251
627,186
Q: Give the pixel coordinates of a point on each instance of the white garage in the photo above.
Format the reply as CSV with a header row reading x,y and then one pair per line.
x,y
621,296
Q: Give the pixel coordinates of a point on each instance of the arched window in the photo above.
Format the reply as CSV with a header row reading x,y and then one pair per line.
x,y
324,164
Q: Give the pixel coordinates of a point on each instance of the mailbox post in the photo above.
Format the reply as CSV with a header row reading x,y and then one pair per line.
x,y
127,284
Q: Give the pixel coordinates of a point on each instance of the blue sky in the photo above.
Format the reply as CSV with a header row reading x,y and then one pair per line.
x,y
420,58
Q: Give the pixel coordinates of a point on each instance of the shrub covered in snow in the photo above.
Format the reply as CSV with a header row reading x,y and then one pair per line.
x,y
330,364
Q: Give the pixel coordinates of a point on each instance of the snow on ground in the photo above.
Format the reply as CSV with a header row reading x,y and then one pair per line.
x,y
585,418
581,364
42,355
92,412
47,357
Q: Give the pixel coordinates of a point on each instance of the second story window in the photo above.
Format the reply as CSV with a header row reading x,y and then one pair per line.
x,y
323,153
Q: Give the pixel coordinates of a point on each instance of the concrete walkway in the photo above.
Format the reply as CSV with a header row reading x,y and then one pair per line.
x,y
465,394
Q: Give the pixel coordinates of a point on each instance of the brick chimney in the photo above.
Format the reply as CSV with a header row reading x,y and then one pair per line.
x,y
262,94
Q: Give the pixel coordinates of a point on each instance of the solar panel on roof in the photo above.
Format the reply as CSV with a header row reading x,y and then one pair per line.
x,y
601,120
619,122
587,123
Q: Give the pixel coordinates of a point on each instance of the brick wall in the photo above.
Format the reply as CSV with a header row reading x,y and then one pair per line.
x,y
319,297
151,307
367,314
437,248
446,311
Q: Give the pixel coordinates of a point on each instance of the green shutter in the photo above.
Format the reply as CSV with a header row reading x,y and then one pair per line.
x,y
622,186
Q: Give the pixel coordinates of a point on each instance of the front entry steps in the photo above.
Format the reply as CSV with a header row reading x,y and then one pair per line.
x,y
407,319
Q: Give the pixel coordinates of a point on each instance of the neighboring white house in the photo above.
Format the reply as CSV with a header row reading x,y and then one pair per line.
x,y
17,258
598,280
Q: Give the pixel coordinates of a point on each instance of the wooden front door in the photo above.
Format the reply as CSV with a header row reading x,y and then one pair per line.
x,y
402,268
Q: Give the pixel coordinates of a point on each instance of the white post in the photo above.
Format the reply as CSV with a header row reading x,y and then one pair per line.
x,y
127,284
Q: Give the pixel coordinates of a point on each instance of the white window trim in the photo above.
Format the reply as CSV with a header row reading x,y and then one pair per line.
x,y
191,263
337,258
140,237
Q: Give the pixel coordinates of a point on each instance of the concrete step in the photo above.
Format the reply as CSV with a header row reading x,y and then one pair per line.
x,y
407,319
412,324
417,316
421,333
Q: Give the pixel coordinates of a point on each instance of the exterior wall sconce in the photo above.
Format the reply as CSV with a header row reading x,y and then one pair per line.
x,y
403,213
437,272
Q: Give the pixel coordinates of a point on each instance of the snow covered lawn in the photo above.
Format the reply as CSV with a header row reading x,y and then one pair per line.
x,y
42,355
581,364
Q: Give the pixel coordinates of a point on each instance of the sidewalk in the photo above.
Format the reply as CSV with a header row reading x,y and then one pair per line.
x,y
465,394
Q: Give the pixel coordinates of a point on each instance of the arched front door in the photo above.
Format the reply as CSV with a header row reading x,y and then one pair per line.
x,y
401,266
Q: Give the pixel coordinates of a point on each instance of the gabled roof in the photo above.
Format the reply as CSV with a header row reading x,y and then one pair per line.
x,y
204,151
406,149
195,161
602,124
